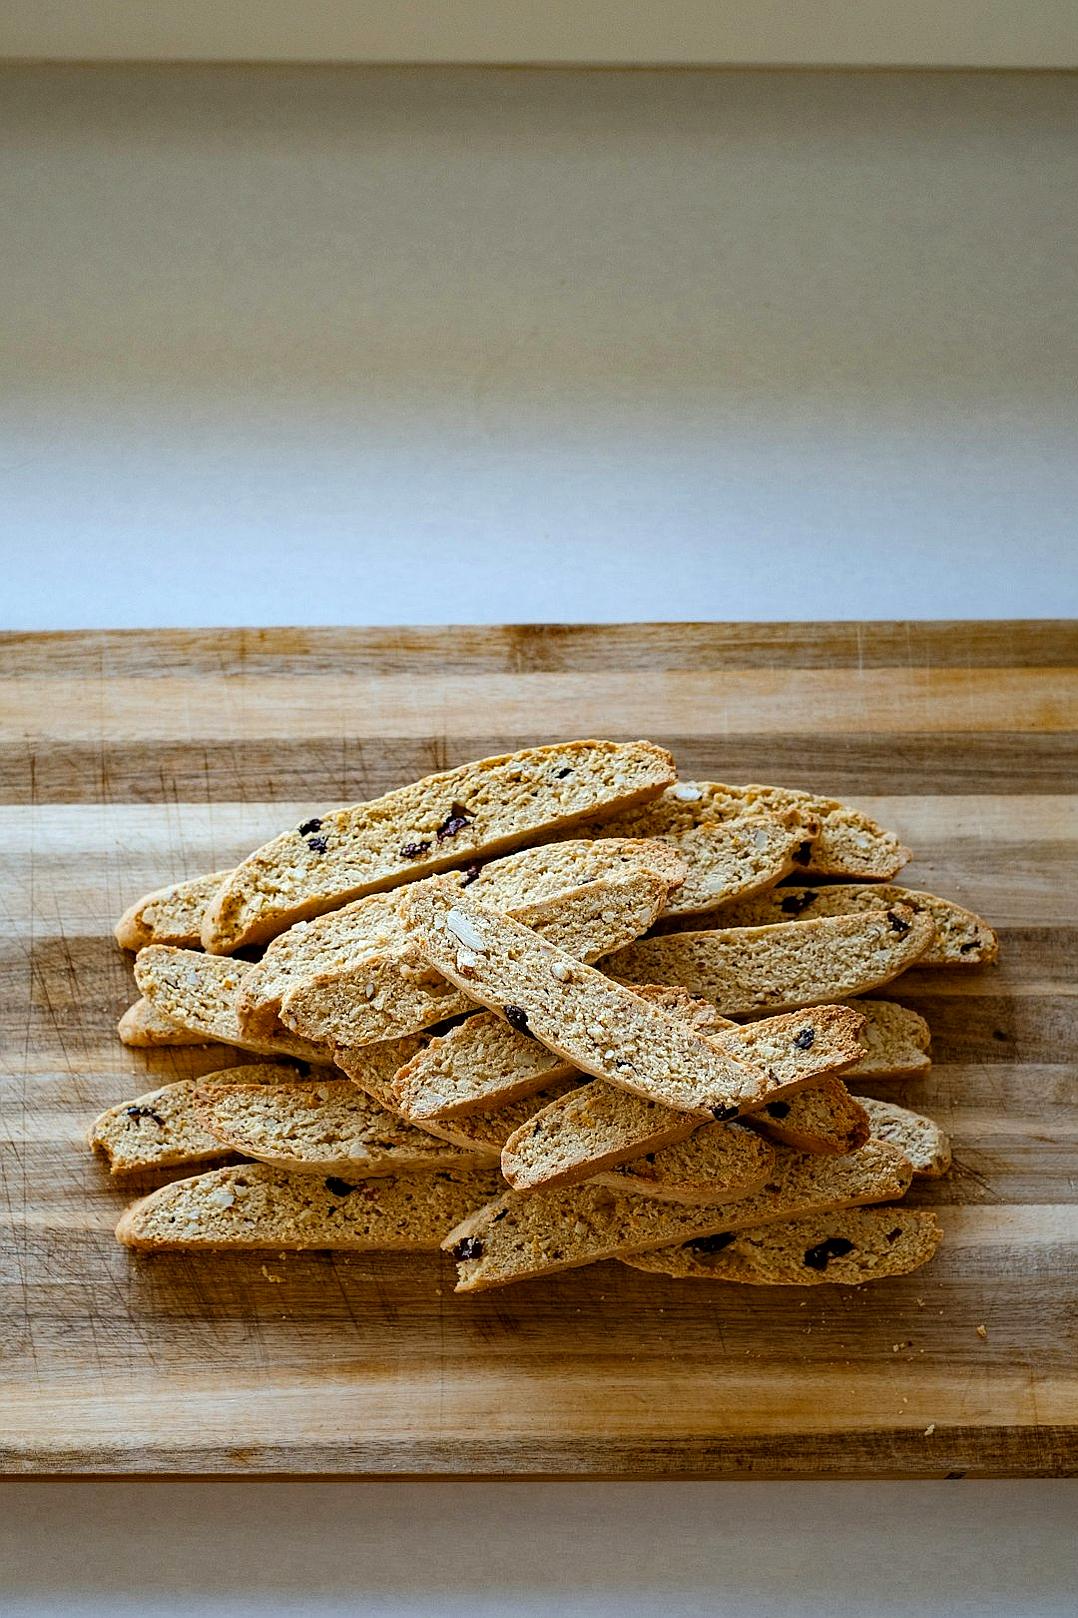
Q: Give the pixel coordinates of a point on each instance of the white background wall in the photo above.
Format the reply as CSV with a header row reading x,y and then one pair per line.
x,y
336,346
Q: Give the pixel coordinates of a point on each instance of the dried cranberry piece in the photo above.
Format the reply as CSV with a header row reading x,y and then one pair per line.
x,y
414,851
470,873
469,1247
820,1256
796,900
893,1235
897,925
340,1188
559,775
712,1244
517,1018
778,1109
317,845
805,1039
310,825
455,821
501,1214
721,1114
145,1112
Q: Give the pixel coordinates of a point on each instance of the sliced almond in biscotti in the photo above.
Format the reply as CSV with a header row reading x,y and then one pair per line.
x,y
388,995
198,992
896,1042
749,969
334,948
823,1117
922,1140
161,1129
962,938
481,808
846,1247
848,843
145,1027
171,915
325,1126
252,1205
595,1024
525,1234
725,857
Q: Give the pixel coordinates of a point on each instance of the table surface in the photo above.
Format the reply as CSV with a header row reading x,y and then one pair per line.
x,y
155,757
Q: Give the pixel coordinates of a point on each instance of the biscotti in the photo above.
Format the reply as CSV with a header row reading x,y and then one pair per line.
x,y
323,1126
478,809
171,915
919,1138
597,1025
161,1129
146,1027
198,992
962,938
386,996
335,948
725,857
749,969
252,1205
823,1117
525,1234
896,1042
848,843
844,1248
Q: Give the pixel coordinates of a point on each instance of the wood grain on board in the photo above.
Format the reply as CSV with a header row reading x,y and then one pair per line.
x,y
128,760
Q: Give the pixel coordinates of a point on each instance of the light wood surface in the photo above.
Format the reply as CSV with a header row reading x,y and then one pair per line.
x,y
130,760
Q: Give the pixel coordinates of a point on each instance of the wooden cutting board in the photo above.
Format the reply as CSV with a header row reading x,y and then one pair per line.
x,y
129,760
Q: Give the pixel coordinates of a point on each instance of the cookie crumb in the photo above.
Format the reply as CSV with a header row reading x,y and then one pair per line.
x,y
276,1279
982,1330
930,1429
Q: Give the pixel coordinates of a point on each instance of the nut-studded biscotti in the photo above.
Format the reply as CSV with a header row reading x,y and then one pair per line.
x,y
334,948
252,1205
587,1130
896,1041
388,995
171,915
597,1025
323,1126
198,992
534,1233
161,1129
846,1247
749,969
726,857
962,938
921,1139
848,843
478,809
823,1117
145,1027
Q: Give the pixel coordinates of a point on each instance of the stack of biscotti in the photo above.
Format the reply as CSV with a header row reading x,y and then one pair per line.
x,y
544,1010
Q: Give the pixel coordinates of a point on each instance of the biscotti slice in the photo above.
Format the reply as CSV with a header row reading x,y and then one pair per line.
x,y
373,1067
161,1129
171,915
597,1025
534,1233
478,809
336,946
145,1027
921,1139
725,857
252,1205
847,1248
823,1117
389,995
198,992
896,1042
748,969
962,938
848,843
484,1063
328,1126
